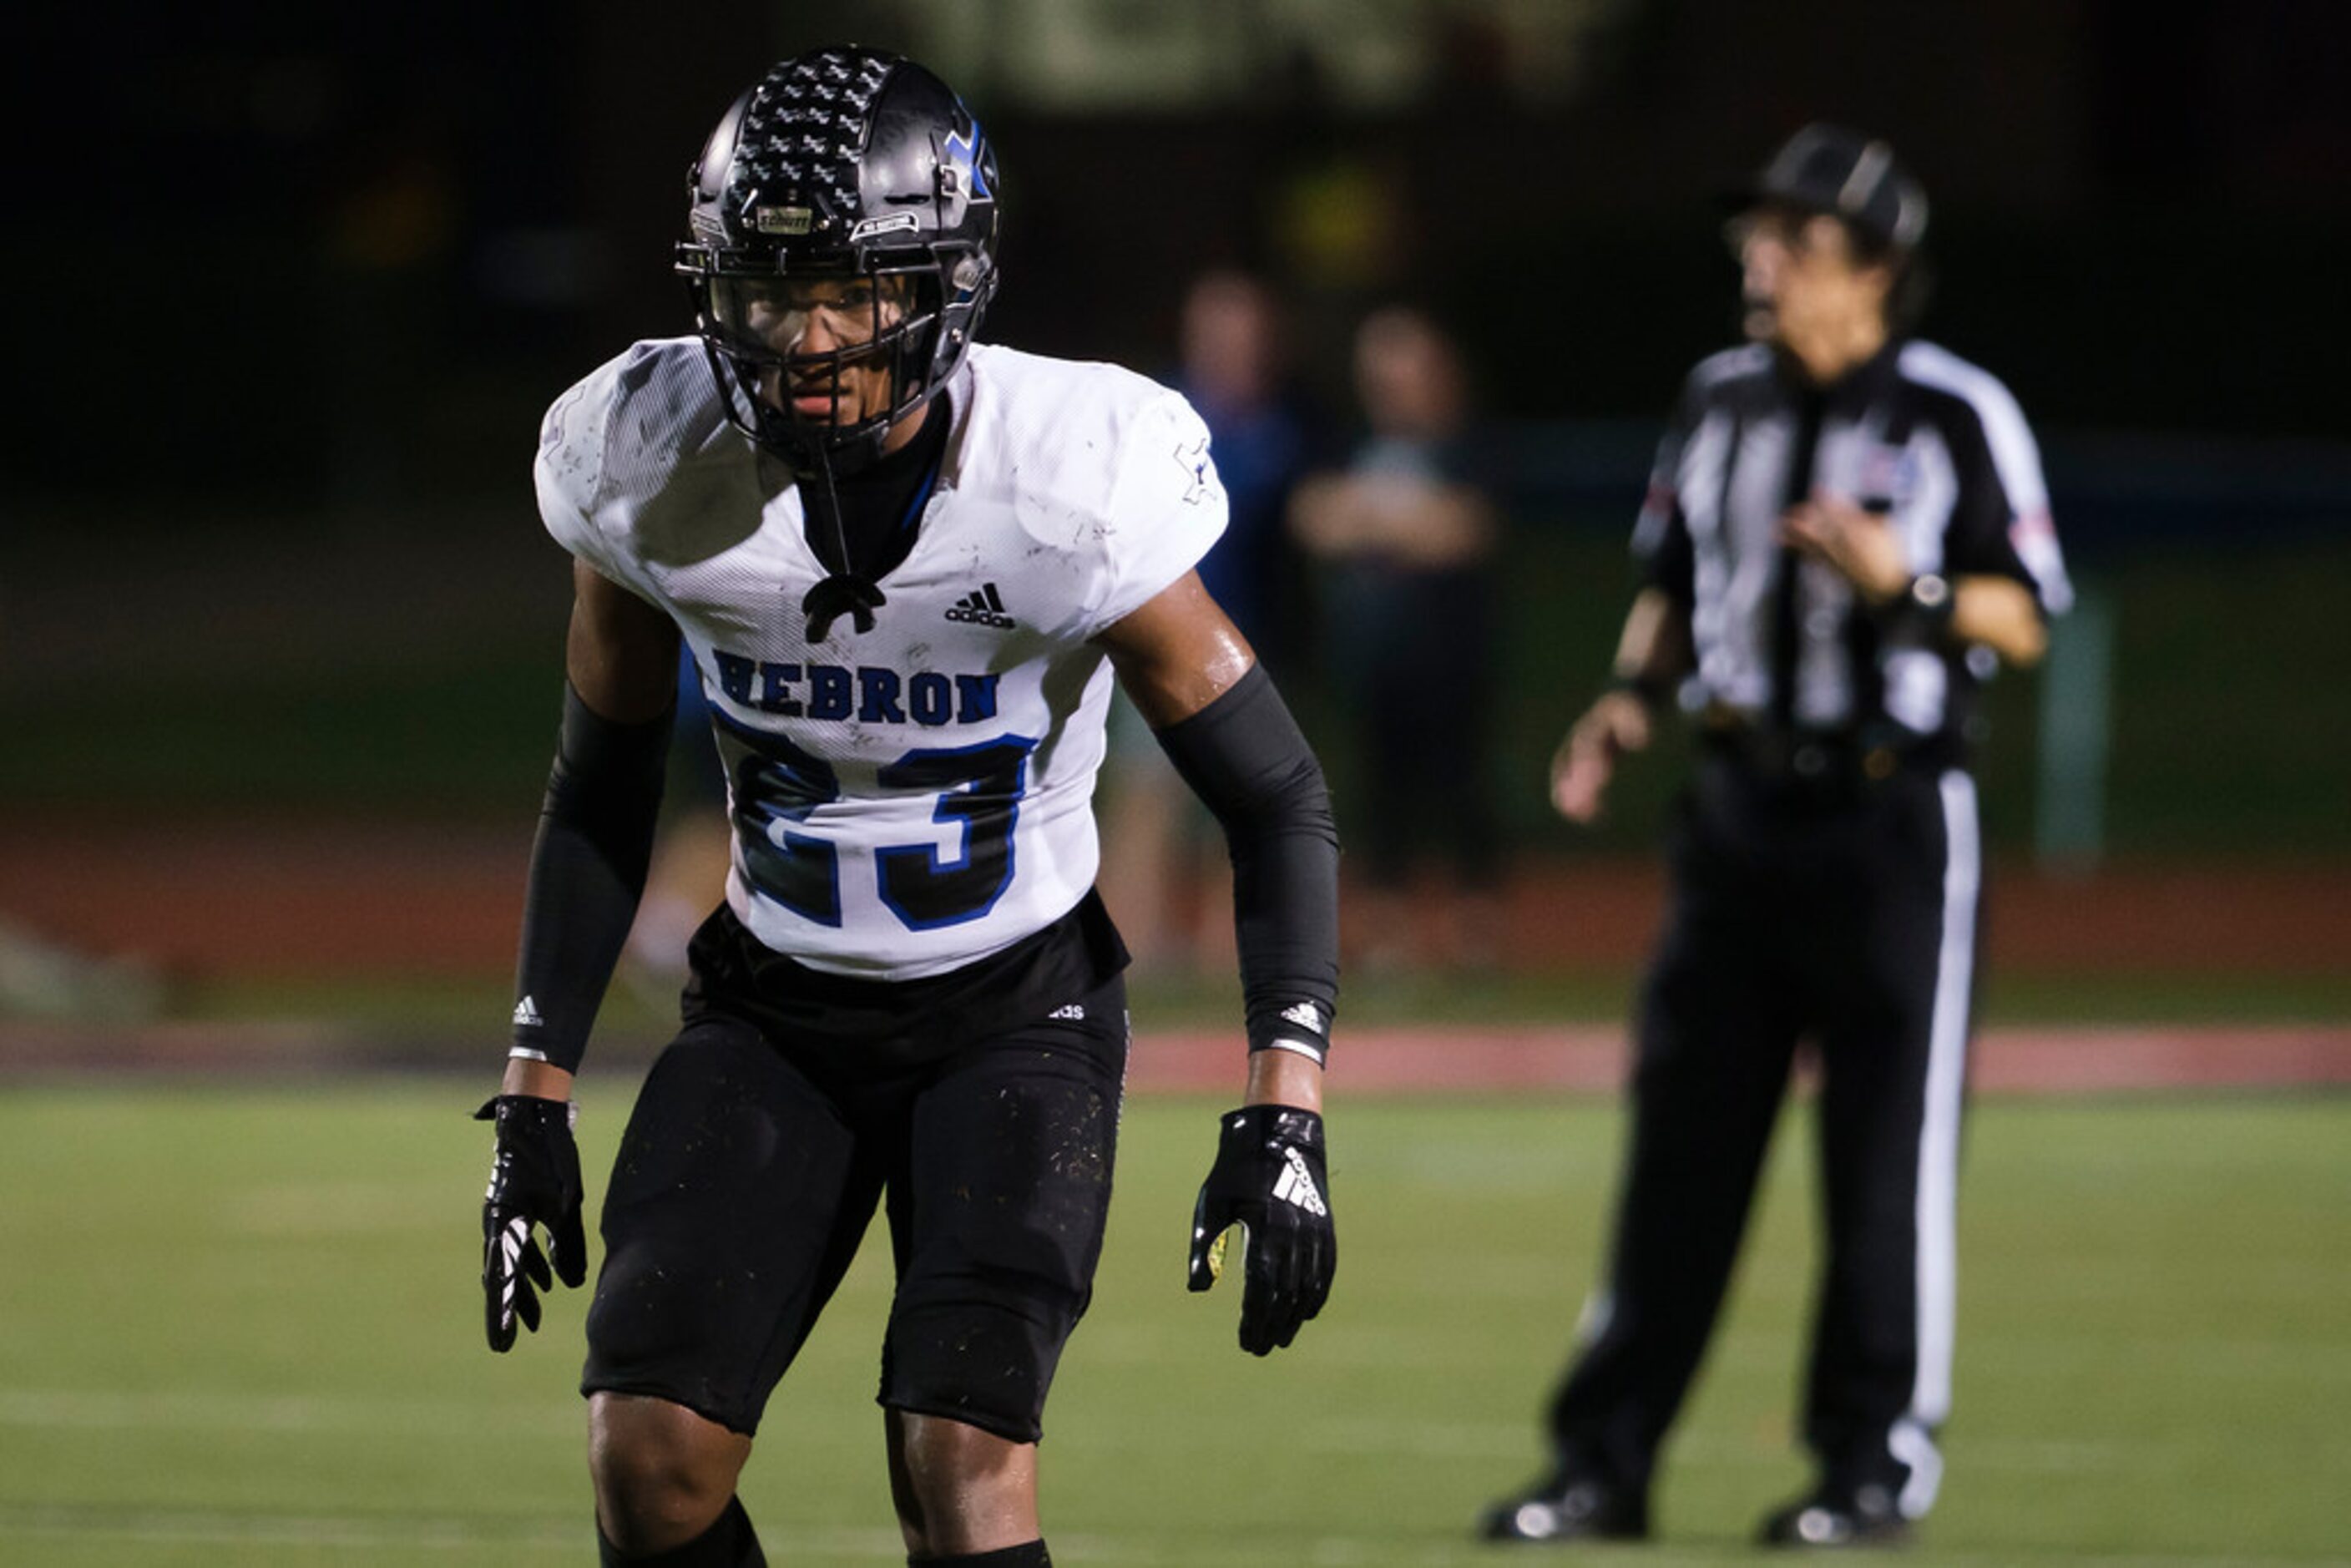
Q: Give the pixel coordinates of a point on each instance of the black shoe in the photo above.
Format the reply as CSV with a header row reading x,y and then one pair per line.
x,y
1568,1507
1834,1516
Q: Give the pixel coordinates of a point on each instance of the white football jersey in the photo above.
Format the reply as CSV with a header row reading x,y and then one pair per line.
x,y
912,797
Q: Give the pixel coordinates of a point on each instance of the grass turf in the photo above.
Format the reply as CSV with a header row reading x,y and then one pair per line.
x,y
240,1325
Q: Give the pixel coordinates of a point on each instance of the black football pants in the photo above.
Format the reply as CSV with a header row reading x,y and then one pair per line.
x,y
1845,916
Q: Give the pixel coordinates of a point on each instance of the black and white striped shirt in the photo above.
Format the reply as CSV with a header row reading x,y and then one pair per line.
x,y
1917,434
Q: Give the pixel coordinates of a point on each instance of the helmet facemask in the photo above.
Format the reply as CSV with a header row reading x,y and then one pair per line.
x,y
757,327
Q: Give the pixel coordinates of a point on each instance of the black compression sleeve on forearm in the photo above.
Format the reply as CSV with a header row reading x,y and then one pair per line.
x,y
1244,756
587,873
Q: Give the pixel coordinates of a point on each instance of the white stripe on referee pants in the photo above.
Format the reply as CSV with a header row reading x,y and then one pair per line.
x,y
1939,1149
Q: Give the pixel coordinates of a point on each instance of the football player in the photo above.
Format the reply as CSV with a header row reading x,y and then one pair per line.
x,y
908,567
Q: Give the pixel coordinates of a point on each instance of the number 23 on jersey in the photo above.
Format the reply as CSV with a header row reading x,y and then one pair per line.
x,y
777,788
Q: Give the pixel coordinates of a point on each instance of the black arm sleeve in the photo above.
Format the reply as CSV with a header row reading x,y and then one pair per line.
x,y
587,873
1244,756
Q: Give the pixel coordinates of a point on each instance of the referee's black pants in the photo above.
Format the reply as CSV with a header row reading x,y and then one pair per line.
x,y
1843,913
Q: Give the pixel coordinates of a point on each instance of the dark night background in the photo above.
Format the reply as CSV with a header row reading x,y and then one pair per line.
x,y
292,283
238,226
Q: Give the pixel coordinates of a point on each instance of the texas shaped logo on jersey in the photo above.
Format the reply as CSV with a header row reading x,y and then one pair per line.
x,y
1193,457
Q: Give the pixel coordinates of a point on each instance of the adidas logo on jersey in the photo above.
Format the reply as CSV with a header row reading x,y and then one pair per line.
x,y
983,606
1305,1015
526,1014
1074,1012
1296,1185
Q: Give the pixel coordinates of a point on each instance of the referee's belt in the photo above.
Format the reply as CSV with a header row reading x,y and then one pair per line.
x,y
1840,760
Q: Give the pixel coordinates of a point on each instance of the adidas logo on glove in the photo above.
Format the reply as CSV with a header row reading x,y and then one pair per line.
x,y
1296,1185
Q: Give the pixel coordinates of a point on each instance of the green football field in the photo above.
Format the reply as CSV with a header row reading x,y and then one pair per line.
x,y
240,1325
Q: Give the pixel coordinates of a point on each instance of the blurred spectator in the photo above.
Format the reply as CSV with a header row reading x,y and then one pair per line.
x,y
1234,347
1406,540
1162,861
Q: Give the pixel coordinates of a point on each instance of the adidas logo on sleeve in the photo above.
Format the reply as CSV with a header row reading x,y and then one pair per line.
x,y
983,606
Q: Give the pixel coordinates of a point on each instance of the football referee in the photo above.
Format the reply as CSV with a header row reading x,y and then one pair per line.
x,y
1847,531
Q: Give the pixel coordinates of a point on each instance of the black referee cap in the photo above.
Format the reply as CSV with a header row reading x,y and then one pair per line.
x,y
1829,168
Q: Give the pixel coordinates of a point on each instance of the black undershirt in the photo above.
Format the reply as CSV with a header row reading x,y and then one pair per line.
x,y
880,503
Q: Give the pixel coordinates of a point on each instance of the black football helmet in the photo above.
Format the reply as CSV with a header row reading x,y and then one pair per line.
x,y
849,164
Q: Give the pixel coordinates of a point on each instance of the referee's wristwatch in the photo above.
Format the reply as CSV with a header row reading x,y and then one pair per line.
x,y
1927,602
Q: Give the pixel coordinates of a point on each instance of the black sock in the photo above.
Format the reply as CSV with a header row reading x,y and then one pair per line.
x,y
729,1542
1028,1555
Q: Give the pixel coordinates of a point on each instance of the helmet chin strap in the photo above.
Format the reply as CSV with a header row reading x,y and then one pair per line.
x,y
845,592
848,591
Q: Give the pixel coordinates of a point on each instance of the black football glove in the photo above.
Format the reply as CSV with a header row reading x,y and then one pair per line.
x,y
534,1180
1269,1179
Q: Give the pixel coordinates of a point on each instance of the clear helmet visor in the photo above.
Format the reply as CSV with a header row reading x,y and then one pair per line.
x,y
825,357
811,321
